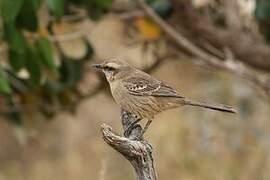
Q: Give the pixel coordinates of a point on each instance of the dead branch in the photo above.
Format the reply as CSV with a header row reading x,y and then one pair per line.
x,y
231,65
247,46
135,149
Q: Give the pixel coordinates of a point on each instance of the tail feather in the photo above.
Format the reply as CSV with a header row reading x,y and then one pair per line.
x,y
217,107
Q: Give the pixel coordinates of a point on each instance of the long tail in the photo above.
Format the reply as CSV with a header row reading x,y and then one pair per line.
x,y
217,107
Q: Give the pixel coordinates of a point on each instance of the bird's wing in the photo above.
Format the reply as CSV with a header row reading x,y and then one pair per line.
x,y
141,86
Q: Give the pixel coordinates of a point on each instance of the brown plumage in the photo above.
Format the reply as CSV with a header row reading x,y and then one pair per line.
x,y
143,95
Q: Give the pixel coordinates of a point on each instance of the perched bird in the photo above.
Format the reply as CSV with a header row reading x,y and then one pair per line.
x,y
141,94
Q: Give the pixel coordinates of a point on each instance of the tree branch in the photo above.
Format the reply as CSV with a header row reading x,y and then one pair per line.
x,y
135,149
245,42
231,65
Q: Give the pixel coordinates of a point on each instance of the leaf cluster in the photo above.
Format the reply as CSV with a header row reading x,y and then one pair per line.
x,y
38,75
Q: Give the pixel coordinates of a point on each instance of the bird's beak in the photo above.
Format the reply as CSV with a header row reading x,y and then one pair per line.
x,y
97,66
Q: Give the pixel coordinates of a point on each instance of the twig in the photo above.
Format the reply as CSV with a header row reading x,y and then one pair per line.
x,y
234,66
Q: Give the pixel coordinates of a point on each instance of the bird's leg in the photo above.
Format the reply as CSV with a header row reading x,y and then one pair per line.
x,y
149,121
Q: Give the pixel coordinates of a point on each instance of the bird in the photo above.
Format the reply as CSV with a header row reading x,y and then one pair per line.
x,y
143,95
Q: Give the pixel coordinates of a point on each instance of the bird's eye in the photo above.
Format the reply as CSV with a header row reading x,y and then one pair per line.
x,y
109,68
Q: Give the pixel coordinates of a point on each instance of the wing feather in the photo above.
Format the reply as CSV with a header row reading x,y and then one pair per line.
x,y
140,86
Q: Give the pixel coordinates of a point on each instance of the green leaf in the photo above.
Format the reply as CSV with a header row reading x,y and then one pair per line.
x,y
262,10
13,36
9,9
57,7
16,59
45,51
265,30
36,5
262,15
17,46
1,30
71,72
161,7
33,66
104,3
4,84
18,84
28,16
89,50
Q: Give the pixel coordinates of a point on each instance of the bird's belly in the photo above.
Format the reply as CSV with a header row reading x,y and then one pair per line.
x,y
141,106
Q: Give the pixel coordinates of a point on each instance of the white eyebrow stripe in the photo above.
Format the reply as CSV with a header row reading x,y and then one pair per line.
x,y
114,65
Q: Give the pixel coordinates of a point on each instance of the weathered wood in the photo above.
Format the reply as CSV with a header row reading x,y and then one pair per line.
x,y
132,146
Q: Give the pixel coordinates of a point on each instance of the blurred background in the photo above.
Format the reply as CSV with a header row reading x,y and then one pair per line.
x,y
52,103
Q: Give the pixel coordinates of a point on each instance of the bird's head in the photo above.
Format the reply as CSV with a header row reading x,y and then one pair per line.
x,y
113,70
